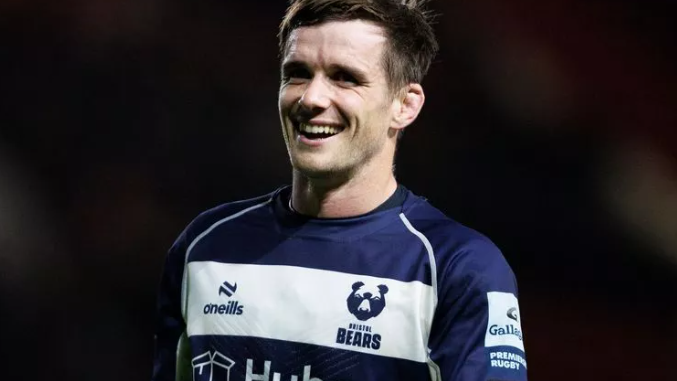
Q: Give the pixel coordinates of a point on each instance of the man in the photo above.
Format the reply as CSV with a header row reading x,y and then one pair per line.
x,y
344,275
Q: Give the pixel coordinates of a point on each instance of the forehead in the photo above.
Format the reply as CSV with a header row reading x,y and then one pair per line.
x,y
354,42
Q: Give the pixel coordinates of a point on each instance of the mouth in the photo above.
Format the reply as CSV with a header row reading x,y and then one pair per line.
x,y
317,131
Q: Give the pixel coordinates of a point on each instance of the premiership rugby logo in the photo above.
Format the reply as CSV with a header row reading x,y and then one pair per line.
x,y
504,333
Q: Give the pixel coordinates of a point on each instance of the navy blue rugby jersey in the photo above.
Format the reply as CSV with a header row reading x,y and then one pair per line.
x,y
252,291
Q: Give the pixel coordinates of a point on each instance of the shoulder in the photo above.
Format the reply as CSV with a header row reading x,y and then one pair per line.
x,y
461,254
223,213
444,232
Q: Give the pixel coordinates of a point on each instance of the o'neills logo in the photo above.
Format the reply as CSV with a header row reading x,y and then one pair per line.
x,y
232,308
507,329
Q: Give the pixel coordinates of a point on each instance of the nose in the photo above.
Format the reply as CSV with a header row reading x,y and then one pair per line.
x,y
316,96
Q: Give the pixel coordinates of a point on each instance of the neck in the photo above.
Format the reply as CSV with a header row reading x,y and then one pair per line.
x,y
337,198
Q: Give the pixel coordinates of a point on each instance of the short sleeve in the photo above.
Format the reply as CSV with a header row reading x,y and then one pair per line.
x,y
476,333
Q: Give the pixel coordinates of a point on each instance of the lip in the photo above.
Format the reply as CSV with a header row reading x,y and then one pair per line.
x,y
313,142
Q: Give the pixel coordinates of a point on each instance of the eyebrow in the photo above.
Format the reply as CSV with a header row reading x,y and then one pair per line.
x,y
359,74
289,65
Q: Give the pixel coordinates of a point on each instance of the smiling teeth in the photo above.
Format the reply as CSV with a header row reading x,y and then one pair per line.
x,y
311,129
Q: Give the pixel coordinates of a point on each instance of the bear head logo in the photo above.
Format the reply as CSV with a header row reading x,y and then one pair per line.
x,y
367,302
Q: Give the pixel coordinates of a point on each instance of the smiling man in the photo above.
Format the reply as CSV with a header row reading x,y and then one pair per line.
x,y
345,274
340,116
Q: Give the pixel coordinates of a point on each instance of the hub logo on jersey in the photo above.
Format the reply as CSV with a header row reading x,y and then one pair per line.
x,y
365,302
212,366
216,367
503,327
251,375
233,307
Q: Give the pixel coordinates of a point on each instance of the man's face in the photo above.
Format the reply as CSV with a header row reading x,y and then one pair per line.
x,y
334,102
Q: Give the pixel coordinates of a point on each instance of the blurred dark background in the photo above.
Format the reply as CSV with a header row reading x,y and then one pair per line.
x,y
550,126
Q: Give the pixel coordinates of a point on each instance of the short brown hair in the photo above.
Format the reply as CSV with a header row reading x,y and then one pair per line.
x,y
411,40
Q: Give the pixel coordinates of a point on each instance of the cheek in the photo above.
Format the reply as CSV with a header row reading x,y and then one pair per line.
x,y
364,111
287,97
375,110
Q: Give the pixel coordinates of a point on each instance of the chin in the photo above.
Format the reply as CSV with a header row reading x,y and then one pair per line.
x,y
314,172
314,169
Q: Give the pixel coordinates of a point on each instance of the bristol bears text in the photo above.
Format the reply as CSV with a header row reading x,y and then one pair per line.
x,y
364,303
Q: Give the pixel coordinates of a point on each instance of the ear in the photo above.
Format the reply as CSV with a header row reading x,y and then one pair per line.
x,y
383,288
407,105
357,285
